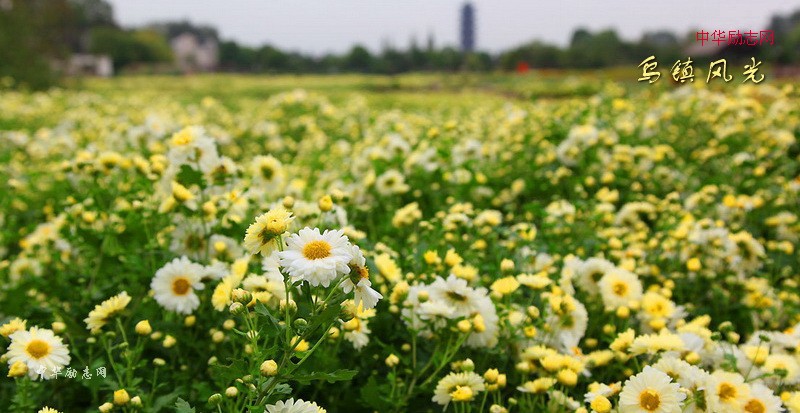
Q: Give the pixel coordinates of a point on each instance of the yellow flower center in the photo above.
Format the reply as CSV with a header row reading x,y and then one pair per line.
x,y
726,392
38,348
316,250
182,138
620,288
181,286
462,394
649,400
755,406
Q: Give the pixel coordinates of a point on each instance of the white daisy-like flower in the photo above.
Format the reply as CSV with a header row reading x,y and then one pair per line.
x,y
651,391
359,281
619,287
726,391
293,406
762,399
175,283
40,349
458,383
357,332
188,239
191,145
484,322
456,293
570,327
318,258
217,270
588,273
391,182
786,363
224,248
687,375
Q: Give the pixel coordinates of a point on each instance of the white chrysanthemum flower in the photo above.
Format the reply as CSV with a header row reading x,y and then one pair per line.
x,y
458,383
40,349
266,170
293,406
589,273
357,331
568,328
484,322
726,391
619,287
217,270
762,400
191,146
786,363
174,285
434,310
454,292
687,375
653,343
224,248
359,281
391,182
651,391
188,239
316,258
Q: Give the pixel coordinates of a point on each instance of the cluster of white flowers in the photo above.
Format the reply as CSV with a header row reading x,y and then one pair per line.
x,y
428,307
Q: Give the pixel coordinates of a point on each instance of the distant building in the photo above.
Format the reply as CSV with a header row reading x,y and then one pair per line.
x,y
467,28
195,53
89,65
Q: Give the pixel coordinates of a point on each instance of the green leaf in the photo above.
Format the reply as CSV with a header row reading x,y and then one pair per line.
x,y
375,395
326,317
332,377
163,401
273,327
182,406
224,373
188,176
283,388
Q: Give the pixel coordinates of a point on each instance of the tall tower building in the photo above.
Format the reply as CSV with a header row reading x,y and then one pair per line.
x,y
467,28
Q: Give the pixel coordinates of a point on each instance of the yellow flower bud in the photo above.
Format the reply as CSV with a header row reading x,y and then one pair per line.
x,y
392,360
231,392
464,326
143,328
325,203
601,404
121,397
18,369
269,368
693,264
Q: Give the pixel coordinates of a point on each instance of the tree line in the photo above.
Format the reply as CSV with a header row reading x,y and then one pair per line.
x,y
35,33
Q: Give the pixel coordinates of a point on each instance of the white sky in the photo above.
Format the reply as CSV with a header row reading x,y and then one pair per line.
x,y
320,26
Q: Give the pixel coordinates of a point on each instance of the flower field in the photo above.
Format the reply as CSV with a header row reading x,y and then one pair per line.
x,y
350,244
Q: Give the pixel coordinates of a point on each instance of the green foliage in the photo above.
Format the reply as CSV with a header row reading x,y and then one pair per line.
x,y
182,406
130,47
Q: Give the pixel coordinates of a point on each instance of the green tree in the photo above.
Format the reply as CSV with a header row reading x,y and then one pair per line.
x,y
130,47
32,39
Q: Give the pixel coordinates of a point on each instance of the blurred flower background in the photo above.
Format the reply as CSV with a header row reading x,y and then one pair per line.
x,y
423,229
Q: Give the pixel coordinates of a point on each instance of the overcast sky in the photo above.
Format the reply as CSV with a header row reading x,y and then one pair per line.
x,y
320,26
